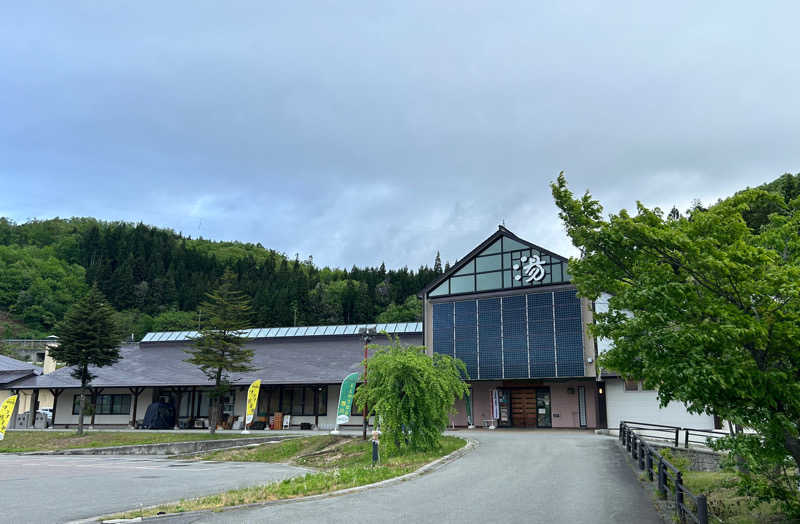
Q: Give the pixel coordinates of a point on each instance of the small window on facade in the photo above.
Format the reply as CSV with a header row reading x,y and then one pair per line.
x,y
105,404
466,270
286,400
487,281
297,402
490,263
462,284
631,385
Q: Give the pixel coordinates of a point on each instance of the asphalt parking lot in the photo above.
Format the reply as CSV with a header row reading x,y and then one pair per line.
x,y
540,476
47,489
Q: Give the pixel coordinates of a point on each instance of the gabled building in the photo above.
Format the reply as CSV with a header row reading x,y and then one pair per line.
x,y
509,311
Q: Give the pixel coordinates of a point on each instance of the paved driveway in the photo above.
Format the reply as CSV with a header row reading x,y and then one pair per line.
x,y
51,489
513,476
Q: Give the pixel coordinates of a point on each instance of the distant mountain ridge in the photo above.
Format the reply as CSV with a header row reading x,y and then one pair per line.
x,y
156,278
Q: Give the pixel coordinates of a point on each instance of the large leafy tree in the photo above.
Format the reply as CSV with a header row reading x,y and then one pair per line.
x,y
219,348
705,308
411,394
88,337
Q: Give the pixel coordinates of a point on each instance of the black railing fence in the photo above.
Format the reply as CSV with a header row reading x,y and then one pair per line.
x,y
688,506
673,435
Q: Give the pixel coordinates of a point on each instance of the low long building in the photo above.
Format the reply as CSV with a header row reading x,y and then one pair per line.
x,y
300,369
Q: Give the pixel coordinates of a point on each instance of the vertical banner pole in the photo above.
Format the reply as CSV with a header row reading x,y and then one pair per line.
x,y
252,403
346,392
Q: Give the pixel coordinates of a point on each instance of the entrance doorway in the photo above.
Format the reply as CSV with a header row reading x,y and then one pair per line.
x,y
530,408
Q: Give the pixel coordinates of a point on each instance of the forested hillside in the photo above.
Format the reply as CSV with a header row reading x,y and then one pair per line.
x,y
156,279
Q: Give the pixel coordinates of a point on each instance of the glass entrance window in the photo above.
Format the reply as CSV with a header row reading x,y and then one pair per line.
x,y
543,419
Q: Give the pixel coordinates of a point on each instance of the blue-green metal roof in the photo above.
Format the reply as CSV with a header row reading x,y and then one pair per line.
x,y
391,328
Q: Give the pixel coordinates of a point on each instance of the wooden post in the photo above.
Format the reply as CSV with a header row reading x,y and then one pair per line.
x,y
95,393
135,391
178,397
13,422
56,392
192,413
317,391
34,401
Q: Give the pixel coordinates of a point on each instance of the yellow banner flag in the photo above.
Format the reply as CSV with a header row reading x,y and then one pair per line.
x,y
252,400
5,414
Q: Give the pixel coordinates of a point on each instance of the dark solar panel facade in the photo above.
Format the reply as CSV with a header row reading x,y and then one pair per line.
x,y
534,335
569,342
515,338
443,329
466,335
490,339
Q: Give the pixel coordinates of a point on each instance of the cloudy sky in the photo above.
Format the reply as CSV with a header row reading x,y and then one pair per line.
x,y
387,131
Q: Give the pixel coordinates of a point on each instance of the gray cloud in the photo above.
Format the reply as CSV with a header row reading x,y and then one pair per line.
x,y
369,133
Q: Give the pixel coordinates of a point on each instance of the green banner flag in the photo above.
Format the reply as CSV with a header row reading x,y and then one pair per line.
x,y
346,393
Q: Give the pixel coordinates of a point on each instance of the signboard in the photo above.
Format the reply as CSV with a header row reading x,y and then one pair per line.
x,y
346,393
5,414
532,268
252,401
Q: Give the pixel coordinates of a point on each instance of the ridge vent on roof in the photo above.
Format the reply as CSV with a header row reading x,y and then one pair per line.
x,y
391,328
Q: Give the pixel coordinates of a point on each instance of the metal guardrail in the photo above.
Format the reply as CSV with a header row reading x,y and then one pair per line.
x,y
706,434
672,434
670,479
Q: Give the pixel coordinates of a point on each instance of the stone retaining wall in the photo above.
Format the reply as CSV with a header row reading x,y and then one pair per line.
x,y
168,448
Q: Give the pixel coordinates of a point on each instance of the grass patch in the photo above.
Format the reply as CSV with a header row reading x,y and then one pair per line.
x,y
724,501
344,463
21,441
283,451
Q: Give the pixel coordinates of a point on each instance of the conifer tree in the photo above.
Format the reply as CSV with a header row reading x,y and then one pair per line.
x,y
88,336
437,264
219,349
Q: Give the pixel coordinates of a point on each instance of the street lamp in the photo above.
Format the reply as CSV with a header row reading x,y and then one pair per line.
x,y
366,335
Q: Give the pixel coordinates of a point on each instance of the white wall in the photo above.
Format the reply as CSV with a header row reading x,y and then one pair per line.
x,y
642,406
64,409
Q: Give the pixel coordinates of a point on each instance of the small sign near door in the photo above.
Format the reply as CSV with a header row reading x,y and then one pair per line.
x,y
542,411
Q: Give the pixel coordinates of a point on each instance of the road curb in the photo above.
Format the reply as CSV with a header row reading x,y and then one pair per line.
x,y
167,448
427,468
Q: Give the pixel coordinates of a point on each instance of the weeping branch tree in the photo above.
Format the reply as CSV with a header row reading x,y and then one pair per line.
x,y
219,349
706,309
88,336
411,394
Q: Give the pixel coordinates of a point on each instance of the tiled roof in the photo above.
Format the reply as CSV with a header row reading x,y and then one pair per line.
x,y
12,364
297,360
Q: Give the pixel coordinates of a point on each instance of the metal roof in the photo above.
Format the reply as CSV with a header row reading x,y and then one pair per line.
x,y
390,328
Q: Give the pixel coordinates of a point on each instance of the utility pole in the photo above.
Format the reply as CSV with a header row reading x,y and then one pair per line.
x,y
366,334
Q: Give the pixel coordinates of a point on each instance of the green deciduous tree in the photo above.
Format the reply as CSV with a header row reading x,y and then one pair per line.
x,y
219,349
88,337
706,309
409,311
411,394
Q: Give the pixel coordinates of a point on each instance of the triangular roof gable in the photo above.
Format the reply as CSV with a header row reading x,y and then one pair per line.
x,y
493,246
